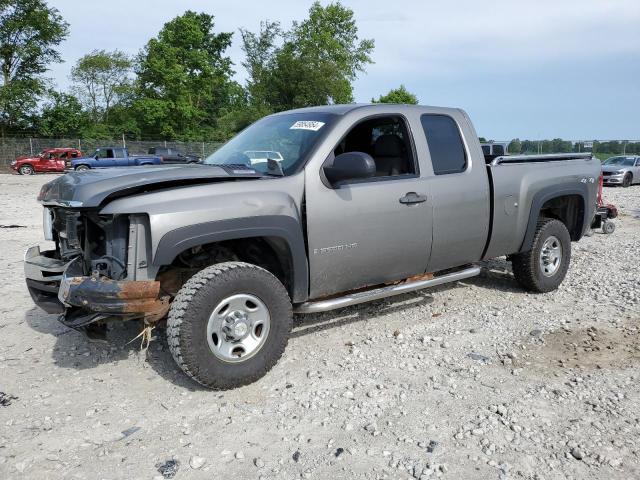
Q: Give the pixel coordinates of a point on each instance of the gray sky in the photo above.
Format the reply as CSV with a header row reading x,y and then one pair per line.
x,y
520,68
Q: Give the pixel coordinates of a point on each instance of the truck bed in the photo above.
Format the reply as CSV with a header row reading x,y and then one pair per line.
x,y
521,184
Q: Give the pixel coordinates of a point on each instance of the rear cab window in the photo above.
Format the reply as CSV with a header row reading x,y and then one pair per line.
x,y
446,148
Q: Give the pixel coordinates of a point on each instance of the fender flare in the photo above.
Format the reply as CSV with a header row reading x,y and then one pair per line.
x,y
542,197
287,228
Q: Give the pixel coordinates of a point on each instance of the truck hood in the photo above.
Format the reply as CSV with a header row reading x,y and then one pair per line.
x,y
91,188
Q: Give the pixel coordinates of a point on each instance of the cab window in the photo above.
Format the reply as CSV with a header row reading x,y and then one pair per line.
x,y
386,139
447,151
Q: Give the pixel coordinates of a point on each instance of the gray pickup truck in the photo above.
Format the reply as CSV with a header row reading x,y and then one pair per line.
x,y
361,202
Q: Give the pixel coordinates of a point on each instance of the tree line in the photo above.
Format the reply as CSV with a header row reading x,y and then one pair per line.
x,y
180,86
558,145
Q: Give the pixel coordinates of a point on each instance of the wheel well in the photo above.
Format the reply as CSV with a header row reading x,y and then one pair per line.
x,y
569,209
26,165
271,253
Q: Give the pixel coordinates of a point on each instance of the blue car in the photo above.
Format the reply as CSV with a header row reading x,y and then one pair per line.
x,y
112,157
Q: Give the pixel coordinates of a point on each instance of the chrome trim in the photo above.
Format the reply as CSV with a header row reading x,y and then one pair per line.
x,y
68,277
382,292
554,157
62,203
35,264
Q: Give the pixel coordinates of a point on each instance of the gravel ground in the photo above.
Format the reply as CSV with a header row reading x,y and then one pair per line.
x,y
477,379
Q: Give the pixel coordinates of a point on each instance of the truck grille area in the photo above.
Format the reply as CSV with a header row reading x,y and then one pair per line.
x,y
101,240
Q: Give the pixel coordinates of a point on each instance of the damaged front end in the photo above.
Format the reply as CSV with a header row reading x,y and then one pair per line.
x,y
97,271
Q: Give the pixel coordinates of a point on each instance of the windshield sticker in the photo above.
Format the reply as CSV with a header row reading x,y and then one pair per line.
x,y
307,125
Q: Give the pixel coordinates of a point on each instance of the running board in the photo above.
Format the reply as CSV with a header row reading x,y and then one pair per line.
x,y
382,292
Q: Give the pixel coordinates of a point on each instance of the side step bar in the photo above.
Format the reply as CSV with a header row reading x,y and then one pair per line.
x,y
382,292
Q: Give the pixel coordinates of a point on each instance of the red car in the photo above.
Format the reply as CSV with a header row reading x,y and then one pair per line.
x,y
49,160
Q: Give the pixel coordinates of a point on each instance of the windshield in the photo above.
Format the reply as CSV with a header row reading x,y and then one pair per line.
x,y
286,138
624,161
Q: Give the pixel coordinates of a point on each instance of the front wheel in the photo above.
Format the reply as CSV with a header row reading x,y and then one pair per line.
x,y
229,325
543,268
26,170
82,168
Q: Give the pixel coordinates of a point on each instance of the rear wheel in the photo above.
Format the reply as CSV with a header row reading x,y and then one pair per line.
x,y
543,268
626,182
229,325
26,170
82,168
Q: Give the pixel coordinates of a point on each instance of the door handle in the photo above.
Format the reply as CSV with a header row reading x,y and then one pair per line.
x,y
412,197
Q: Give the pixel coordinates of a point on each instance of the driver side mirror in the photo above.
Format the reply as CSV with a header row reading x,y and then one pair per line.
x,y
350,166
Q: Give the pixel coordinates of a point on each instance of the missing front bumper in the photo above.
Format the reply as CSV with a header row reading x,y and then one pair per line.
x,y
59,287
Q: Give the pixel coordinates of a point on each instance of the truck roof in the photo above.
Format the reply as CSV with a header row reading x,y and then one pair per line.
x,y
343,109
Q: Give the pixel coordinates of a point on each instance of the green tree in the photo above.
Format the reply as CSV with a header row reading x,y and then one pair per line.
x,y
515,146
397,95
184,78
313,63
260,52
62,116
101,79
30,31
614,146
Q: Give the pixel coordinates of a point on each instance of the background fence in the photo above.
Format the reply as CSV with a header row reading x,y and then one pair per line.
x,y
12,148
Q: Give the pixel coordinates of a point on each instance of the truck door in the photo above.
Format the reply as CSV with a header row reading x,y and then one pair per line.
x,y
104,157
61,161
375,230
121,159
459,188
49,163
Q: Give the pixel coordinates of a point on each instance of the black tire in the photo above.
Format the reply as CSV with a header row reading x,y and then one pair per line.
x,y
608,227
626,181
26,169
82,168
189,315
526,265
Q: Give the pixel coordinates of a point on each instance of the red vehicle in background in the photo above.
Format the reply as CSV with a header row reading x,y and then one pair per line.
x,y
49,160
